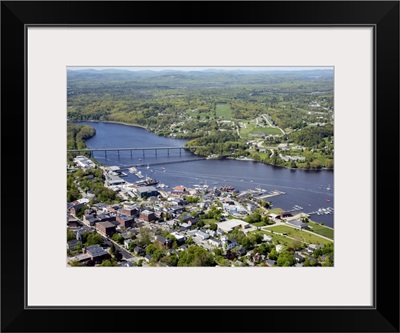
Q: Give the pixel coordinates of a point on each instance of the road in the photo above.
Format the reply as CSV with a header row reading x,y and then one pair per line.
x,y
270,125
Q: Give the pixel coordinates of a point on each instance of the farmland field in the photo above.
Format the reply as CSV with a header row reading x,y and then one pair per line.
x,y
224,111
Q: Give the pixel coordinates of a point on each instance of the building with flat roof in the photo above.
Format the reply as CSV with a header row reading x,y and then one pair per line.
x,y
126,221
229,225
106,228
147,191
114,180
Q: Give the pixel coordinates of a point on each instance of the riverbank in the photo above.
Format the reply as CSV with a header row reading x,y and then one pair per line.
x,y
117,122
208,157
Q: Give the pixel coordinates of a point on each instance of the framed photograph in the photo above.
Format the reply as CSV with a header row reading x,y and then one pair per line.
x,y
209,158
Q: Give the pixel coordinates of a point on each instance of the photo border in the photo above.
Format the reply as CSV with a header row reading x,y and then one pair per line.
x,y
383,16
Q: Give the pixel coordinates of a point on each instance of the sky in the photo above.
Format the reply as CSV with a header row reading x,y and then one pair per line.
x,y
199,68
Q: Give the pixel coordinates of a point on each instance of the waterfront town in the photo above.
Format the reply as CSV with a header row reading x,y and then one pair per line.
x,y
113,222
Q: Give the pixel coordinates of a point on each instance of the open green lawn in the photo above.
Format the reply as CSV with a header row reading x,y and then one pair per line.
x,y
266,130
281,239
251,128
244,131
321,230
275,211
302,236
224,111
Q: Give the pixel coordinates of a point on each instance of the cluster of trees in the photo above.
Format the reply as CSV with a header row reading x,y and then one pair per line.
x,y
89,180
76,137
312,136
219,143
258,216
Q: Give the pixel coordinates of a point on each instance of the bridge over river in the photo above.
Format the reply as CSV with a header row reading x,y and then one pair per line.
x,y
143,149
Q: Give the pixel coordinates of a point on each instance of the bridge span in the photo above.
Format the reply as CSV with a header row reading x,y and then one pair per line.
x,y
143,149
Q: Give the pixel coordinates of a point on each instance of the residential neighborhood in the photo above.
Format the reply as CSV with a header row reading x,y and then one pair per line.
x,y
151,224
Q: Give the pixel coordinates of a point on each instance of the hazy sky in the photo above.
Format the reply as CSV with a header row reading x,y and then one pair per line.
x,y
199,68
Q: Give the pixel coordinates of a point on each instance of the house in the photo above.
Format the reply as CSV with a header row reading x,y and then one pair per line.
x,y
163,241
139,250
231,244
72,222
147,215
179,190
90,220
77,205
202,234
299,257
127,242
270,262
267,238
106,228
298,224
180,238
285,214
73,244
125,220
241,250
147,257
278,248
215,242
96,253
190,220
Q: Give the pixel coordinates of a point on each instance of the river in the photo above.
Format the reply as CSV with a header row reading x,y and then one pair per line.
x,y
310,190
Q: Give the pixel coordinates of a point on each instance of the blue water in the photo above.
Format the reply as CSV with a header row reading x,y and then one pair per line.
x,y
310,190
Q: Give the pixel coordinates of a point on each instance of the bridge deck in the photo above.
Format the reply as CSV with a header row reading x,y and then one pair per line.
x,y
128,149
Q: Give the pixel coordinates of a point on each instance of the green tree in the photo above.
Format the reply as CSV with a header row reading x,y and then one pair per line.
x,y
285,259
196,256
70,235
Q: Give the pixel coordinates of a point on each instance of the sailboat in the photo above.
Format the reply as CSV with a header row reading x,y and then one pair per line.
x,y
148,166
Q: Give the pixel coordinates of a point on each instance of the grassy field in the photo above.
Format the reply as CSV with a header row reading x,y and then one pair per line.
x,y
266,130
299,235
321,230
281,239
224,111
251,128
275,211
209,221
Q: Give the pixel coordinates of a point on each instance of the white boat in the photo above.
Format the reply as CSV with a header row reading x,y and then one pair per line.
x,y
148,166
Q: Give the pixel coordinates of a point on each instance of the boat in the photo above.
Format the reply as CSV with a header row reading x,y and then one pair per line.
x,y
328,200
148,166
329,187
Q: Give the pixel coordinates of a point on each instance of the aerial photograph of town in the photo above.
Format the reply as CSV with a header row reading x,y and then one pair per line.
x,y
200,166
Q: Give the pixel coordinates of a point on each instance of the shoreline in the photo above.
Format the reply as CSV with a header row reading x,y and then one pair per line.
x,y
116,122
232,158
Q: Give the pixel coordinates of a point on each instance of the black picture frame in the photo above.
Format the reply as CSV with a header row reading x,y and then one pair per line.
x,y
383,316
